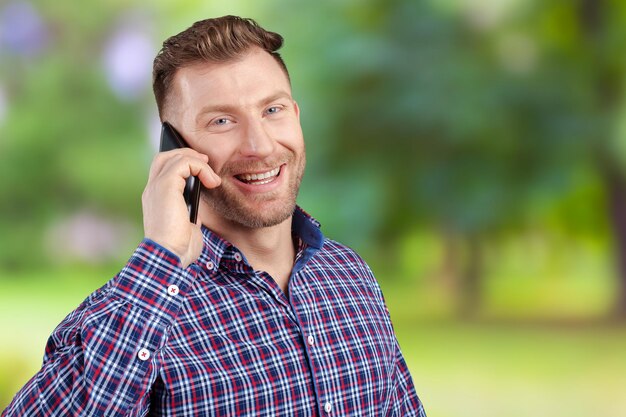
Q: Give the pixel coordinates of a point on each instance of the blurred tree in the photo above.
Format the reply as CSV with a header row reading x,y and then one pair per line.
x,y
68,142
460,122
474,119
602,42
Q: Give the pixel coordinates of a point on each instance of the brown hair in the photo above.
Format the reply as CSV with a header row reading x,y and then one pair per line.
x,y
212,40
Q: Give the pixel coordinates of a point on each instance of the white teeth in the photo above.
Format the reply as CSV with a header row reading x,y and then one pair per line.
x,y
254,177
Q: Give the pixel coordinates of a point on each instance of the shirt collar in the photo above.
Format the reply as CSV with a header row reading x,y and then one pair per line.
x,y
307,228
303,225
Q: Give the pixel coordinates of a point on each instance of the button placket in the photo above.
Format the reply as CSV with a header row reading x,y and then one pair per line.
x,y
328,407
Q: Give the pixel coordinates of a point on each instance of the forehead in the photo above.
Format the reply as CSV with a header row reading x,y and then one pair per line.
x,y
247,78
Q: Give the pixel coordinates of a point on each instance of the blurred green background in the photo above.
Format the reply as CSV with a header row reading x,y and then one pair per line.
x,y
473,151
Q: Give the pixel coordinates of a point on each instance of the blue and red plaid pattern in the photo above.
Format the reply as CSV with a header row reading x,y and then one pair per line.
x,y
219,339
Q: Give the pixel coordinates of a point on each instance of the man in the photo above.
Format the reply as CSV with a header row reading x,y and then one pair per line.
x,y
252,311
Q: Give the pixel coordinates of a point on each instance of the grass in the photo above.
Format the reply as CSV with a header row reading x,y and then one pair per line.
x,y
459,368
31,305
514,366
498,370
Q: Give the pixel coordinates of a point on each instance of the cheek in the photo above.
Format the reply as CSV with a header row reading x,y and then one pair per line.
x,y
219,147
218,157
287,125
289,133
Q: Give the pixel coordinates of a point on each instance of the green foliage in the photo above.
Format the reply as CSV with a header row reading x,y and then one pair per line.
x,y
448,141
474,122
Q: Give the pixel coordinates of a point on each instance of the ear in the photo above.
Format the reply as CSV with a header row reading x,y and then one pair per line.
x,y
296,109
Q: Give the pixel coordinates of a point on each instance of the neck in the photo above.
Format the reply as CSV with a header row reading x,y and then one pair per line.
x,y
268,249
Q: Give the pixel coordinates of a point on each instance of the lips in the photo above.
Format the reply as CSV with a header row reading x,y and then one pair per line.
x,y
259,178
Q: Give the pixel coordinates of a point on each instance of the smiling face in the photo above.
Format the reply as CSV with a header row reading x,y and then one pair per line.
x,y
241,114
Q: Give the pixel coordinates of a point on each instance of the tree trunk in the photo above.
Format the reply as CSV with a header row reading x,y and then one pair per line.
x,y
615,184
461,273
471,279
608,89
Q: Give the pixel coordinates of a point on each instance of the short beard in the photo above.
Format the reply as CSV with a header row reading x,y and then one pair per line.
x,y
232,207
236,213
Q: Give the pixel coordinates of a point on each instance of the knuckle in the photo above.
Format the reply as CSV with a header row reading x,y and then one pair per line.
x,y
158,157
145,195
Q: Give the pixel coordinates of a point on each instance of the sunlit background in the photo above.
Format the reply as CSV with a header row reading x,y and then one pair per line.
x,y
473,151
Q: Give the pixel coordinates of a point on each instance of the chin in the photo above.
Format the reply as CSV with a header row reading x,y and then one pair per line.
x,y
252,216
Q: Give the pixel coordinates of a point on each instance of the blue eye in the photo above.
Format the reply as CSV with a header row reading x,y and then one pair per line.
x,y
221,121
273,110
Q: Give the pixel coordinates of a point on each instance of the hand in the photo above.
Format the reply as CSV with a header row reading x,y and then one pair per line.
x,y
165,215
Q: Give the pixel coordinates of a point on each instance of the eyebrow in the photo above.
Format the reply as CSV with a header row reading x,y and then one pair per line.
x,y
229,108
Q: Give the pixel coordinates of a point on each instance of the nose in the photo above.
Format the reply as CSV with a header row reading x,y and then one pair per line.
x,y
257,142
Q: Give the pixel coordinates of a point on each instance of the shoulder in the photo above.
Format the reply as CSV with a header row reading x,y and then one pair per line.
x,y
332,248
344,260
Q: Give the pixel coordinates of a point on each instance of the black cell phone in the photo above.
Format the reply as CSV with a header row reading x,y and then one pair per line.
x,y
171,139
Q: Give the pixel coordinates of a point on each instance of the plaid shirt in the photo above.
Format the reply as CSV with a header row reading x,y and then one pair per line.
x,y
220,339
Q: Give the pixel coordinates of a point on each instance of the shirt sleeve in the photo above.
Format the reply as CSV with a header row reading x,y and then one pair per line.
x,y
103,358
408,403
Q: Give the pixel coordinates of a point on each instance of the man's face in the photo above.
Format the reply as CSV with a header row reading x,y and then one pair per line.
x,y
241,114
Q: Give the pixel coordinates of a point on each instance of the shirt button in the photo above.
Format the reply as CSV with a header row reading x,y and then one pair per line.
x,y
328,407
209,265
144,354
173,290
310,340
238,257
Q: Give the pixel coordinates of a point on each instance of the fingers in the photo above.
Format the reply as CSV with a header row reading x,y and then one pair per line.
x,y
163,157
183,163
165,213
208,177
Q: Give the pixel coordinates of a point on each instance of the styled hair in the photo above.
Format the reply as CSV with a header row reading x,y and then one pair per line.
x,y
220,39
